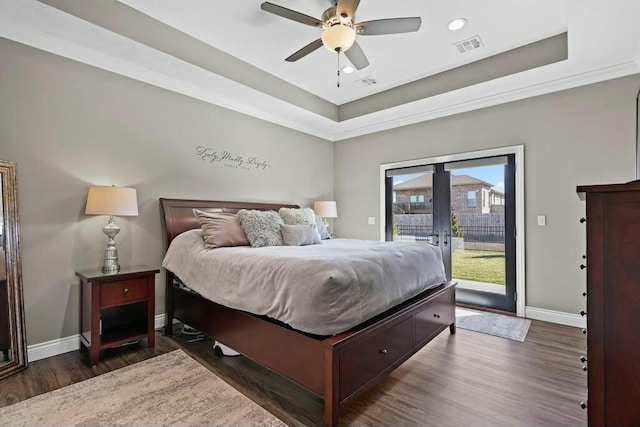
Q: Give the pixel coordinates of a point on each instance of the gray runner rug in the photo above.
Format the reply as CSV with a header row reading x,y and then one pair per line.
x,y
168,390
513,328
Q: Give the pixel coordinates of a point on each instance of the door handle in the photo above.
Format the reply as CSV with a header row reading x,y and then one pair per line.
x,y
446,237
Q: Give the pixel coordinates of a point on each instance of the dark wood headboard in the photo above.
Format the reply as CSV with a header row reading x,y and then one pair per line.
x,y
179,217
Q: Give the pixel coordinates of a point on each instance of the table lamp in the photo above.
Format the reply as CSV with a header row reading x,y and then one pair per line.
x,y
326,209
111,200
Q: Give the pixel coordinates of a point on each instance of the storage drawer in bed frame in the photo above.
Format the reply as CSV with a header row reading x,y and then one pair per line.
x,y
338,368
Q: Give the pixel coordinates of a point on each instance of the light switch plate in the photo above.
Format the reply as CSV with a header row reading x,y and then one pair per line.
x,y
371,220
542,220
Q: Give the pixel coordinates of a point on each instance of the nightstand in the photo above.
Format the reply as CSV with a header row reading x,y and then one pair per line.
x,y
116,308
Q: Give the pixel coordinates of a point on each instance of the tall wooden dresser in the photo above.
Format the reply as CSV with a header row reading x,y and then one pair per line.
x,y
613,303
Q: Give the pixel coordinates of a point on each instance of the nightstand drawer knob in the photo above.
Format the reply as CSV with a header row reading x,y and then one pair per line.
x,y
383,351
125,290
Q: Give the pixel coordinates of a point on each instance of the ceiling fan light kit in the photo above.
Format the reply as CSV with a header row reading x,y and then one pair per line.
x,y
339,31
338,38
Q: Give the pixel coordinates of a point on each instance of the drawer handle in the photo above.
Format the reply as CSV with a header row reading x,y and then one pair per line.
x,y
383,351
584,368
583,359
583,220
437,316
584,331
582,266
583,313
125,291
583,405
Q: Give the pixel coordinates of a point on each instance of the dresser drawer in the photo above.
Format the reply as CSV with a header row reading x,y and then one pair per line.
x,y
123,291
365,362
436,316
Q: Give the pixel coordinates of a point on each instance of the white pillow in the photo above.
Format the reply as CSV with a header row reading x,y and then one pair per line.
x,y
300,235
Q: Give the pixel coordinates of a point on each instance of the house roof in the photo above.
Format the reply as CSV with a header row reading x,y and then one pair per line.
x,y
232,54
424,181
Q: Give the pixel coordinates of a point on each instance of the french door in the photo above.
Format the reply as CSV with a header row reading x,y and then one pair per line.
x,y
467,209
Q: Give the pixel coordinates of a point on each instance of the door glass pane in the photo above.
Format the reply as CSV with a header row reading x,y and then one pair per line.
x,y
412,208
478,228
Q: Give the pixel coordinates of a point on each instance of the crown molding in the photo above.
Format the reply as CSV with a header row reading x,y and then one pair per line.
x,y
422,114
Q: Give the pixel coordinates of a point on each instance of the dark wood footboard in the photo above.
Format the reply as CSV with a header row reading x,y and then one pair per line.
x,y
337,368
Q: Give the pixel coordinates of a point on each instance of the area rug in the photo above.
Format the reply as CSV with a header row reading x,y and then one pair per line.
x,y
168,390
513,328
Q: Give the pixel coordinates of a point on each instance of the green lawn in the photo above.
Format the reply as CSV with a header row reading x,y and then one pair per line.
x,y
481,266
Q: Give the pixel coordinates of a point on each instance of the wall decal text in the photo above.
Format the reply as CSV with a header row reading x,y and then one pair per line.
x,y
231,160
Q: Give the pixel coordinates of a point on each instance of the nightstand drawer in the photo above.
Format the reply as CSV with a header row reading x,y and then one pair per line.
x,y
123,291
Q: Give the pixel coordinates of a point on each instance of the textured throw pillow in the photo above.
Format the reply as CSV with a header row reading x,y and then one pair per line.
x,y
220,229
294,216
300,235
297,216
261,227
322,230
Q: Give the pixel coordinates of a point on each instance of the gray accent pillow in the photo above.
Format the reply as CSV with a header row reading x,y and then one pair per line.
x,y
261,227
220,229
300,235
322,230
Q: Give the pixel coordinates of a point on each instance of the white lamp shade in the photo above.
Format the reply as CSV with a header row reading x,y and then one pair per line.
x,y
326,209
338,37
111,200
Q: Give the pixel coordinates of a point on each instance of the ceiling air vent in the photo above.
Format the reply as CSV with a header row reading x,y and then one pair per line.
x,y
367,81
469,44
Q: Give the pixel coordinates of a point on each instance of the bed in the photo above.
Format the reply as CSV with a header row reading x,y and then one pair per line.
x,y
338,367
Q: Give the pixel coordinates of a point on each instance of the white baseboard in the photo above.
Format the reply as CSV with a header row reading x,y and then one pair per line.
x,y
552,316
64,345
72,343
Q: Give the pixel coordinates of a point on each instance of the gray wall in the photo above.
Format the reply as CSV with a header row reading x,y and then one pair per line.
x,y
68,126
580,136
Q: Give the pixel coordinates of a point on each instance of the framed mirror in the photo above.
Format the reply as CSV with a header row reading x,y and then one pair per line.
x,y
13,345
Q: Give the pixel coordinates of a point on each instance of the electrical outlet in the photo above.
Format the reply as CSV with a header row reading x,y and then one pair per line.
x,y
371,220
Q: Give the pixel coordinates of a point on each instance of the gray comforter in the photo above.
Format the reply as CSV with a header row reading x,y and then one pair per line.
x,y
320,289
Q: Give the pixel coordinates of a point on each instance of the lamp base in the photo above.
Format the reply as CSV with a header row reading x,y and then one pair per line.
x,y
110,263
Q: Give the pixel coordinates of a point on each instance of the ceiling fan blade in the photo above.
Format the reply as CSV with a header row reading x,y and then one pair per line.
x,y
388,26
291,14
305,51
357,57
347,8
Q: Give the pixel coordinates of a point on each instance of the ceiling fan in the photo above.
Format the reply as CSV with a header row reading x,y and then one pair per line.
x,y
339,30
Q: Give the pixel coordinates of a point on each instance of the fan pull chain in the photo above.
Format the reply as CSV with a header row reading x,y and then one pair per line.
x,y
338,50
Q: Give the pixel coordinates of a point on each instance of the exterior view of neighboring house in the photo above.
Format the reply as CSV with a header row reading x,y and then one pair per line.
x,y
468,195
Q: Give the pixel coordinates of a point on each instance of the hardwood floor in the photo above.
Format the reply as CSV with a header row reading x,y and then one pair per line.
x,y
467,379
